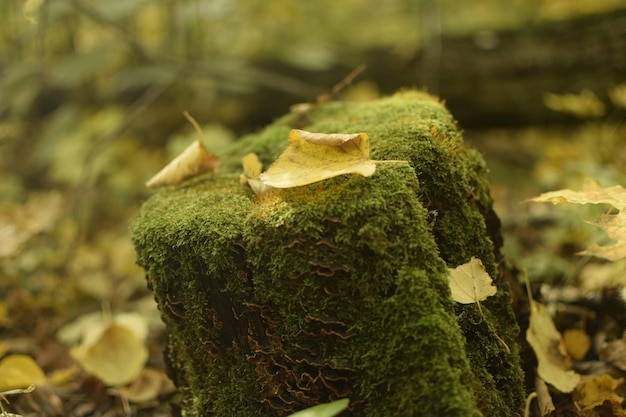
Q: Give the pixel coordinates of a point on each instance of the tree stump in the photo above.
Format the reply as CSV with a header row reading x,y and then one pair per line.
x,y
337,289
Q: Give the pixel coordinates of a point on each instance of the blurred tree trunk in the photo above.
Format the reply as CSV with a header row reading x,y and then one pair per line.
x,y
496,78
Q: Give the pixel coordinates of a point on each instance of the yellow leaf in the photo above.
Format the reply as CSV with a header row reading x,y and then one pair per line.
x,y
113,352
577,343
251,170
592,193
148,386
585,104
193,161
470,283
19,371
595,390
313,157
552,358
613,252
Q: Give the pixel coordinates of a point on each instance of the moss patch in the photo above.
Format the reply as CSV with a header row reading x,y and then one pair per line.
x,y
336,289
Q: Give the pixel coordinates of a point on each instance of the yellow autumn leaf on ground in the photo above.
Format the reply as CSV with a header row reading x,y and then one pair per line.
x,y
19,371
553,362
313,157
470,282
114,351
593,391
577,343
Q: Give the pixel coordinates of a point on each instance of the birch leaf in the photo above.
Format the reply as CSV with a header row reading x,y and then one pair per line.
x,y
613,224
313,157
19,371
592,193
114,351
193,161
252,168
470,282
553,362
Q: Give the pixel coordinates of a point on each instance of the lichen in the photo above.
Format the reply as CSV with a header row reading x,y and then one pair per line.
x,y
339,288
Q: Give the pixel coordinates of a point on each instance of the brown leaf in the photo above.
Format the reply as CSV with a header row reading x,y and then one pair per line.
x,y
313,157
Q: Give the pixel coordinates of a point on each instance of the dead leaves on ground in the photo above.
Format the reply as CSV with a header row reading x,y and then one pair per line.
x,y
613,224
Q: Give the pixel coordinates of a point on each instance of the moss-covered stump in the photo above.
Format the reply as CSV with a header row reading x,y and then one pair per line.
x,y
337,289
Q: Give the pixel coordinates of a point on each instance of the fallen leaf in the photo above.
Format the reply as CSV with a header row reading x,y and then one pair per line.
x,y
19,371
324,410
552,358
114,350
193,161
313,157
585,104
613,224
577,343
252,168
592,193
148,386
470,282
593,391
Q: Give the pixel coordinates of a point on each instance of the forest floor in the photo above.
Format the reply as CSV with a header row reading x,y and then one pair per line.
x,y
62,283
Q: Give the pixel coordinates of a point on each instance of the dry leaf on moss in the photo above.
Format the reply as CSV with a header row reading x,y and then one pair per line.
x,y
470,282
313,157
252,168
553,361
19,371
193,161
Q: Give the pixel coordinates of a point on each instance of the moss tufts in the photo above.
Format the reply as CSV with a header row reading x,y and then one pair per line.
x,y
336,289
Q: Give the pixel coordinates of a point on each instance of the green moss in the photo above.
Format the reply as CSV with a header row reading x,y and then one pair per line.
x,y
336,289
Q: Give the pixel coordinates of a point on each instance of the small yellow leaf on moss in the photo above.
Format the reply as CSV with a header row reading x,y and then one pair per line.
x,y
313,157
252,168
593,391
470,282
19,371
553,361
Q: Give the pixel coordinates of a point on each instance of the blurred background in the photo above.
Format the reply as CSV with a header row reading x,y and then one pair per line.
x,y
92,95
